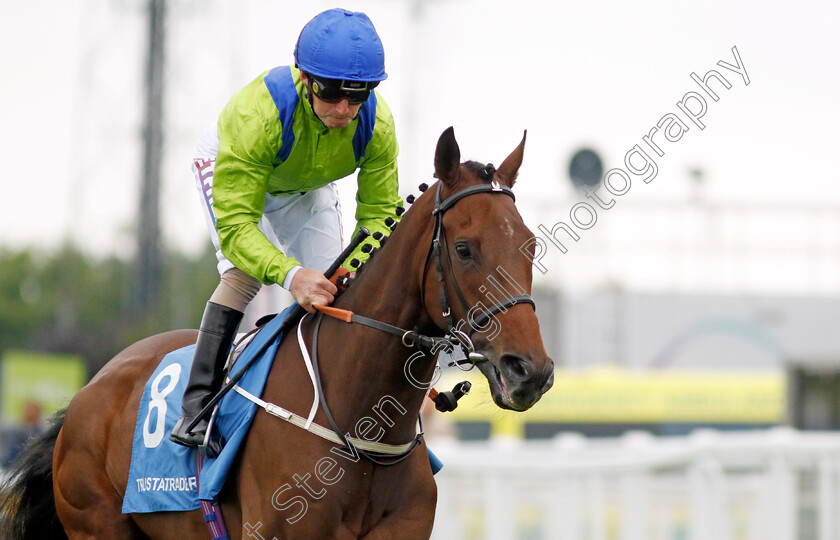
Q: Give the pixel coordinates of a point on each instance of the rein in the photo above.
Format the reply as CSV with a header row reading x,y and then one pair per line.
x,y
392,459
382,454
375,452
409,338
454,336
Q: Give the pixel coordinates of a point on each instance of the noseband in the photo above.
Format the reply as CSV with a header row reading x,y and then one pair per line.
x,y
455,335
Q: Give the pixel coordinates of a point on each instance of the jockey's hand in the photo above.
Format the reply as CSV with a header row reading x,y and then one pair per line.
x,y
310,287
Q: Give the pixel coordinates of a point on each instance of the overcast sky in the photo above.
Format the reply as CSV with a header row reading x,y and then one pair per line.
x,y
600,74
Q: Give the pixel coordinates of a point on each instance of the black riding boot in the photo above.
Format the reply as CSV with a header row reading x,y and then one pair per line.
x,y
218,329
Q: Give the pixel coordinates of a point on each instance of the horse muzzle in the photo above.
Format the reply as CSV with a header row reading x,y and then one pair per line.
x,y
517,382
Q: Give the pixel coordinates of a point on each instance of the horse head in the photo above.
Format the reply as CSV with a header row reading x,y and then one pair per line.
x,y
478,284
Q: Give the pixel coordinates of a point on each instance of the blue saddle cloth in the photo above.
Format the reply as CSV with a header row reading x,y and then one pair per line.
x,y
162,474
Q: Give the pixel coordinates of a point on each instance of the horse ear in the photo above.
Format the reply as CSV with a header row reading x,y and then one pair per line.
x,y
447,157
510,167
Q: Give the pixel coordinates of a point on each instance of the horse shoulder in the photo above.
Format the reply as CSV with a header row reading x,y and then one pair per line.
x,y
405,497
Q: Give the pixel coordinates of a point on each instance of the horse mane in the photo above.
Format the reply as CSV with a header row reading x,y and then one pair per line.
x,y
484,172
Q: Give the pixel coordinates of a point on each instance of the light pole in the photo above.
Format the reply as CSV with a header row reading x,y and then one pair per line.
x,y
147,271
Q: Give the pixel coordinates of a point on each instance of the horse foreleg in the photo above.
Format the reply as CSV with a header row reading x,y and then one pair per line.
x,y
414,526
409,496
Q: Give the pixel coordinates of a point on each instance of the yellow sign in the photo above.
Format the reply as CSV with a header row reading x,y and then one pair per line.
x,y
49,379
606,395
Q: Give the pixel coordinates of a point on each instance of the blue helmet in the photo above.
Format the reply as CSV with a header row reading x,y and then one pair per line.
x,y
341,44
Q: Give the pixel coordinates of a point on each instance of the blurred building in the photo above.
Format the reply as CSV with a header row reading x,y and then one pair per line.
x,y
671,363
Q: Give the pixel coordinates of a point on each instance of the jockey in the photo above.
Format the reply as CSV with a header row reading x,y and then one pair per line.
x,y
266,173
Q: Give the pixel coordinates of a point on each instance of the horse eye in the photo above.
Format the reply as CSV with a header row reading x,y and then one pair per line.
x,y
463,250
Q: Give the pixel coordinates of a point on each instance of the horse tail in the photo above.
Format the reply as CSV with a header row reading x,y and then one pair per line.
x,y
27,501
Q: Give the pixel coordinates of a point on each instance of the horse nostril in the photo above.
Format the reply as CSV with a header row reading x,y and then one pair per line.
x,y
514,367
548,383
548,370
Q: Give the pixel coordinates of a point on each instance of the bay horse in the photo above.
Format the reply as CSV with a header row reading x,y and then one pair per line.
x,y
461,234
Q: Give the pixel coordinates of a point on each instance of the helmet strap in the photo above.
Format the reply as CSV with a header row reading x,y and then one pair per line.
x,y
307,93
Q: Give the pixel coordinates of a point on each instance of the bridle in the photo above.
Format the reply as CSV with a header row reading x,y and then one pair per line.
x,y
454,334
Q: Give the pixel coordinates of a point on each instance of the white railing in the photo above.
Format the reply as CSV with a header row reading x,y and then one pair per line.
x,y
777,484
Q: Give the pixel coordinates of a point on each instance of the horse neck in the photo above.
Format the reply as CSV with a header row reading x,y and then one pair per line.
x,y
388,290
389,287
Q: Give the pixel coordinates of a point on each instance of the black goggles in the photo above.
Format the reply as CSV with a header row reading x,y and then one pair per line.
x,y
334,90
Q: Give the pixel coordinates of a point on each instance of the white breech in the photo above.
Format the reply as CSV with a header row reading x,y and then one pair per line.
x,y
306,226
